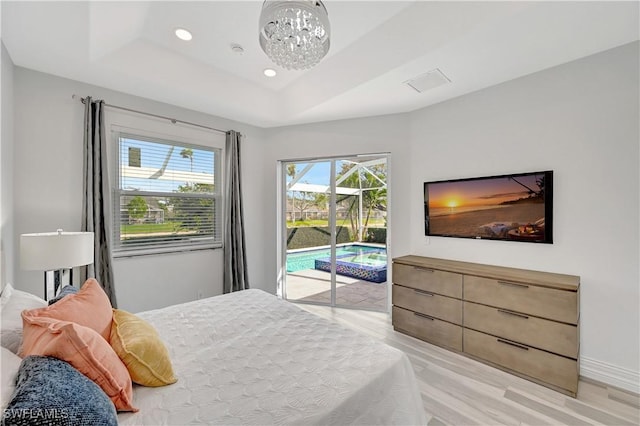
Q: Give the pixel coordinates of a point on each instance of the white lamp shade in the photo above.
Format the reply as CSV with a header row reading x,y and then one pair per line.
x,y
55,250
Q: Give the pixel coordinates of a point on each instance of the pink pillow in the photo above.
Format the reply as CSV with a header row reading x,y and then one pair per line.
x,y
89,307
84,349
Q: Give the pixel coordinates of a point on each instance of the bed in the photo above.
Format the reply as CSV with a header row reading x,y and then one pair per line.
x,y
251,358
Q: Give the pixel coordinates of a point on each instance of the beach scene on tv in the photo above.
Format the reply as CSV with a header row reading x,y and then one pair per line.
x,y
509,207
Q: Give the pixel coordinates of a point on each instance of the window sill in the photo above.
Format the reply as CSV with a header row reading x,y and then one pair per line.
x,y
164,250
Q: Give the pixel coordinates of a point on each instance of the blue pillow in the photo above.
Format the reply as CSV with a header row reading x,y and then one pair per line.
x,y
67,289
50,391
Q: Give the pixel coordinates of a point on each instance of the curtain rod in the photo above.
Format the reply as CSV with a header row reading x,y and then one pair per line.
x,y
162,117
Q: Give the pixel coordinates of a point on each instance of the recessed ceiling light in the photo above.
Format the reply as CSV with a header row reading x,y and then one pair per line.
x,y
183,34
269,72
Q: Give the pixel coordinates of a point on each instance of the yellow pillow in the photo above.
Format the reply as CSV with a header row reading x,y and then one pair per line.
x,y
139,346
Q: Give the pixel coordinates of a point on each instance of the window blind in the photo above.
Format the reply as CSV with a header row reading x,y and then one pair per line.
x,y
168,195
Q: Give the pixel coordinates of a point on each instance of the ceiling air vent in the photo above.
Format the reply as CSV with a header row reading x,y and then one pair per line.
x,y
428,80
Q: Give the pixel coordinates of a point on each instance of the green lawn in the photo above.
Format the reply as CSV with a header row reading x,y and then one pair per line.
x,y
373,223
148,228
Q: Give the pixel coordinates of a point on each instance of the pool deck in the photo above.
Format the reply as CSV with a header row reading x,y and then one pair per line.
x,y
311,285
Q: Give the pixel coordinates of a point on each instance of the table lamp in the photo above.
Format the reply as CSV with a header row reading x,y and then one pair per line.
x,y
57,252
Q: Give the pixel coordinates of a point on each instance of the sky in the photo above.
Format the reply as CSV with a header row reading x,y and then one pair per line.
x,y
319,174
153,155
479,192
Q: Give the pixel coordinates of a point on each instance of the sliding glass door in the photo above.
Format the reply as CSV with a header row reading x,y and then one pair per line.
x,y
308,230
333,231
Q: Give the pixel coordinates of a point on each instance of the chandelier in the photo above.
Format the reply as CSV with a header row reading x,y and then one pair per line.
x,y
294,33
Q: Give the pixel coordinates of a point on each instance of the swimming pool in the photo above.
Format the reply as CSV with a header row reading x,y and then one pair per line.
x,y
357,261
299,261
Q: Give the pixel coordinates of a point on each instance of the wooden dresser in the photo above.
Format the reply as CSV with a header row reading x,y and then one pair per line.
x,y
524,322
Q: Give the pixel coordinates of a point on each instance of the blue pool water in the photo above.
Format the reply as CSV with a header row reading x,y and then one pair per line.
x,y
302,260
366,259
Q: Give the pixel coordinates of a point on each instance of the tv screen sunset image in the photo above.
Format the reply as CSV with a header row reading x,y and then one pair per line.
x,y
505,207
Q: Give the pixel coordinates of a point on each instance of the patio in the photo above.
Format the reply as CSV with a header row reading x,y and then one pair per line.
x,y
311,285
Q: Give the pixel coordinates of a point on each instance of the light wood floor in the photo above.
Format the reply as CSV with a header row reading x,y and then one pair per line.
x,y
457,390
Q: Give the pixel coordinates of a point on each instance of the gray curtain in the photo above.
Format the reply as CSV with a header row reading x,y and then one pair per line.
x,y
95,203
235,261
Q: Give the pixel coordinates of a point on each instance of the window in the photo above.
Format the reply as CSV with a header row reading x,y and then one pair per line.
x,y
168,194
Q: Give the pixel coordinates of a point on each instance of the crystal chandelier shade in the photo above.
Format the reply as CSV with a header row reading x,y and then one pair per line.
x,y
294,33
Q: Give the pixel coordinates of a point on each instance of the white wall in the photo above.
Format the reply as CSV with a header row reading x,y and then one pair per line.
x,y
581,121
7,252
48,186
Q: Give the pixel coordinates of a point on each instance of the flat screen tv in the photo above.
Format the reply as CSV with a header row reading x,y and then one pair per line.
x,y
516,207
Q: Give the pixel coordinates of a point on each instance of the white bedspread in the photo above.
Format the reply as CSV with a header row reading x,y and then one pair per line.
x,y
250,358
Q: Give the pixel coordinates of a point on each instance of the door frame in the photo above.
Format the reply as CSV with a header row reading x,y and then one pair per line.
x,y
281,225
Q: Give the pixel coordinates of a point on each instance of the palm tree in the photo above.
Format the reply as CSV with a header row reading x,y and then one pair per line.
x,y
188,153
372,199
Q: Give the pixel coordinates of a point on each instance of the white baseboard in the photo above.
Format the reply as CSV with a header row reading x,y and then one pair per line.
x,y
619,377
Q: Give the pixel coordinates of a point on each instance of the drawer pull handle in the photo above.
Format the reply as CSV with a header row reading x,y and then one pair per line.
x,y
423,316
515,314
423,292
424,269
513,284
506,342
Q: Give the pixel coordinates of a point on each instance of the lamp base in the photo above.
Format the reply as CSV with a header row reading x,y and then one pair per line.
x,y
53,282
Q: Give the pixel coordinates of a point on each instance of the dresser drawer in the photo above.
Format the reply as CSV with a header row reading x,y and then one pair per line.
x,y
441,307
537,332
430,329
541,365
559,305
431,280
